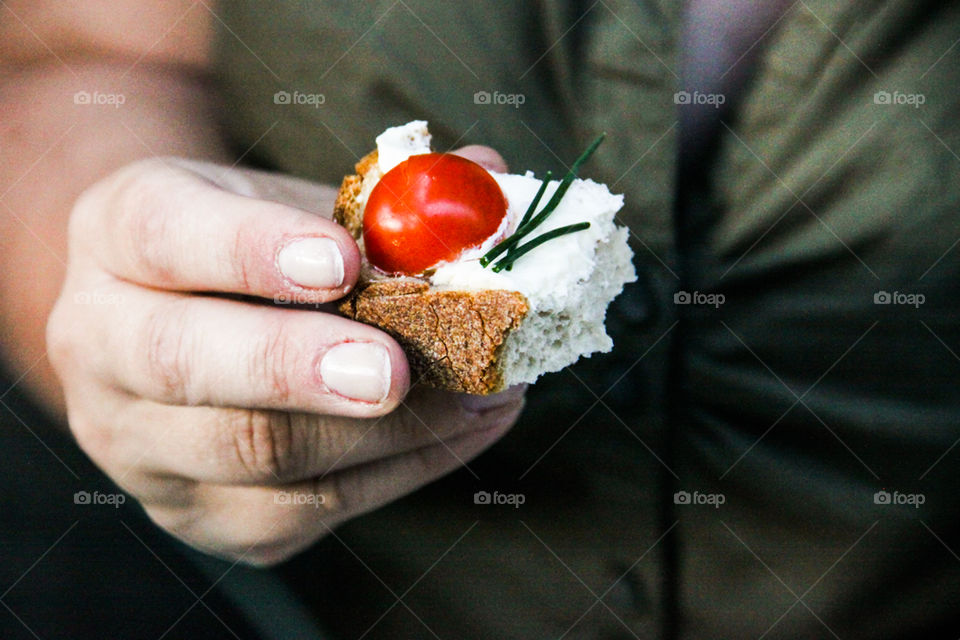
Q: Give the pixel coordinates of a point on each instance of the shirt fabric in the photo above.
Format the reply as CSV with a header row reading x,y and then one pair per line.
x,y
801,384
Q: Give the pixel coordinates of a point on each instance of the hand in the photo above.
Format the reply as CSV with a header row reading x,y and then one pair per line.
x,y
246,429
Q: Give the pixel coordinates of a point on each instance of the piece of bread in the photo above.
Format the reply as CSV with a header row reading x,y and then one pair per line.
x,y
454,340
478,329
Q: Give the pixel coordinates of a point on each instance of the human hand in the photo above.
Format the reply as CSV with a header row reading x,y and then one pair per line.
x,y
215,409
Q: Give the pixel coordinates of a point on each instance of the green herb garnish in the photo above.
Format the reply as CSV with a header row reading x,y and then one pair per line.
x,y
536,200
529,222
507,261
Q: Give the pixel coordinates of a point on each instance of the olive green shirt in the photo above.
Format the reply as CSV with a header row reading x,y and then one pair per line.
x,y
717,474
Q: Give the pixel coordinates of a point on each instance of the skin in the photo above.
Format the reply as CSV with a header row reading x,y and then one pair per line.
x,y
180,379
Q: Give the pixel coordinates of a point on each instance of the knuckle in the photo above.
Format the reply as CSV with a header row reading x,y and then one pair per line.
x,y
86,214
140,207
142,201
96,439
78,328
167,350
271,357
126,199
262,444
61,344
342,494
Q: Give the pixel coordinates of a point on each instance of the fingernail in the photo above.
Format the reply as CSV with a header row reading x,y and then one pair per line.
x,y
312,262
482,404
357,370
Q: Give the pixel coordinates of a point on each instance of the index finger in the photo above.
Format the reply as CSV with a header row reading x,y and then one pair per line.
x,y
486,157
164,226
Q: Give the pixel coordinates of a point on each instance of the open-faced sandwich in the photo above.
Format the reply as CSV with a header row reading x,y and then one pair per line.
x,y
486,279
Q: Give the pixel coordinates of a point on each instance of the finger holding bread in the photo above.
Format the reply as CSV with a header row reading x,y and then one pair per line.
x,y
259,486
486,157
266,524
251,447
204,351
169,227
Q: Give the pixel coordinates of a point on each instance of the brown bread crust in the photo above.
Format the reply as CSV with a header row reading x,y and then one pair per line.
x,y
347,212
453,339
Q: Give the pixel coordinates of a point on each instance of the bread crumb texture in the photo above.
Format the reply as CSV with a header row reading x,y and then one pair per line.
x,y
453,339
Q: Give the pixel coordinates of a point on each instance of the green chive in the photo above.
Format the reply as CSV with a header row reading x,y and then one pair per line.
x,y
564,185
507,261
536,200
502,246
529,222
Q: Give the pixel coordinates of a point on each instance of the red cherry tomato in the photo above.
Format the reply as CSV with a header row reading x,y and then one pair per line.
x,y
428,209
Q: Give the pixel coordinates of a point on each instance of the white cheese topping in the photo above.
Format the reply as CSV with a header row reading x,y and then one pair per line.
x,y
549,270
396,144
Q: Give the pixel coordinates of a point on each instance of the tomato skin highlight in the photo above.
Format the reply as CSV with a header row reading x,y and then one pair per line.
x,y
429,209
